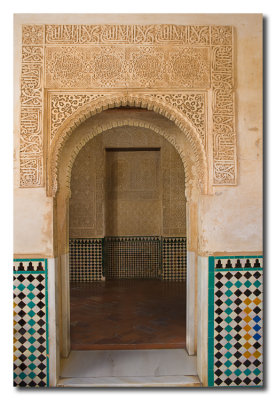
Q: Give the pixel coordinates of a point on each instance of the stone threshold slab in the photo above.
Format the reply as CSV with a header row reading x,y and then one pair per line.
x,y
152,363
132,381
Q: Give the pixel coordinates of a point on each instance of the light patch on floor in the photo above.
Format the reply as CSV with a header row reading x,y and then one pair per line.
x,y
165,367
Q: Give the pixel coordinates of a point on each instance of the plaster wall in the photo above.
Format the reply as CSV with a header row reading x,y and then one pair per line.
x,y
230,219
33,222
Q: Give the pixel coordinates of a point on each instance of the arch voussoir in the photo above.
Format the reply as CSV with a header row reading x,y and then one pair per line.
x,y
108,102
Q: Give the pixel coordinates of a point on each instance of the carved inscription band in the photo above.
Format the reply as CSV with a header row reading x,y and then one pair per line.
x,y
127,56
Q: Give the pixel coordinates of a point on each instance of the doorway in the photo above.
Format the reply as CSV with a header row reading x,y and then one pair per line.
x,y
128,243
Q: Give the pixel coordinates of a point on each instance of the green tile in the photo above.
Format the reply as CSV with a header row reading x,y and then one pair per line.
x,y
228,319
22,375
228,372
31,331
32,366
31,313
228,354
32,357
21,287
229,302
32,349
237,372
31,304
228,364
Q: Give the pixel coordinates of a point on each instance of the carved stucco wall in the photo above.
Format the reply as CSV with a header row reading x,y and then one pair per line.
x,y
149,198
229,216
179,66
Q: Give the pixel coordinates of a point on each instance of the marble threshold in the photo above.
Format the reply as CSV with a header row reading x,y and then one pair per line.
x,y
129,368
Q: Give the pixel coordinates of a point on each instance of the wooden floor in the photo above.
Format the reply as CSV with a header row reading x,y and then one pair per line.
x,y
128,314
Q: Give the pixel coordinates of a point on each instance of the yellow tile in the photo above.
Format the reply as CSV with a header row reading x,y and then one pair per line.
x,y
257,301
247,301
247,354
257,354
247,328
247,318
247,310
247,345
247,336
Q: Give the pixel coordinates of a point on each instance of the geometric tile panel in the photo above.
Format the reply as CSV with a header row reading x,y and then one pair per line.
x,y
132,257
30,322
174,255
235,328
239,262
86,260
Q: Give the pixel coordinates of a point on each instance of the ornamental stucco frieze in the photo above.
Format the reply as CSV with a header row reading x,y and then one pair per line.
x,y
192,60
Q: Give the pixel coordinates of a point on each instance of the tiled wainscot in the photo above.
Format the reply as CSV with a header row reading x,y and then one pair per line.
x,y
129,257
235,346
30,322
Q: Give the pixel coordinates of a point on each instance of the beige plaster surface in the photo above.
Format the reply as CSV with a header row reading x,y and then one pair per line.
x,y
231,219
33,222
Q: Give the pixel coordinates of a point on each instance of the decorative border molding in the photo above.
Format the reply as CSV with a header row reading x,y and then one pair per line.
x,y
191,104
31,115
235,319
219,39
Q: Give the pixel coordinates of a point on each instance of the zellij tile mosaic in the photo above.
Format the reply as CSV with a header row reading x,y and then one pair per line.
x,y
30,323
235,322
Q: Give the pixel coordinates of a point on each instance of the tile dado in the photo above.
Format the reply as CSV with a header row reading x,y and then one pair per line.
x,y
174,259
235,347
120,257
86,260
30,322
132,257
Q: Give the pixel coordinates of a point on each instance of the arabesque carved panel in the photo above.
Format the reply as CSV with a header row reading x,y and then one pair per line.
x,y
128,57
31,139
128,34
191,104
135,66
